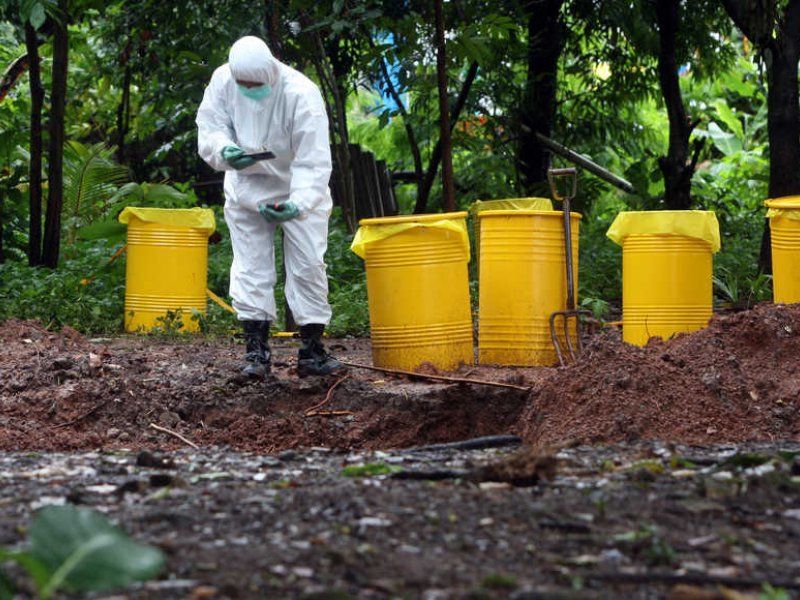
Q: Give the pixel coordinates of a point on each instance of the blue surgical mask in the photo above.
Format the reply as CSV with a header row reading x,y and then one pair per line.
x,y
255,93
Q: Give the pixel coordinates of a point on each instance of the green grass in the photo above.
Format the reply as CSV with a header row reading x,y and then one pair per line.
x,y
368,470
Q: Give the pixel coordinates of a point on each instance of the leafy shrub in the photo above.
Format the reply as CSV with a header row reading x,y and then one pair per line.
x,y
67,296
347,283
600,259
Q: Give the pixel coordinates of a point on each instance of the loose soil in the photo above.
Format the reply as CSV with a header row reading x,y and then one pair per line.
x,y
651,472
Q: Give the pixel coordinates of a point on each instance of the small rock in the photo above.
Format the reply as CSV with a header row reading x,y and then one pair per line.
x,y
150,460
623,381
287,456
168,419
306,572
204,591
62,363
711,379
95,362
160,480
612,558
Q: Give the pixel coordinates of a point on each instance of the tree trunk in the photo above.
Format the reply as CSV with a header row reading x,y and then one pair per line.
x,y
35,189
675,166
538,110
273,24
2,227
339,134
412,138
448,194
783,122
123,113
424,190
783,118
55,196
778,38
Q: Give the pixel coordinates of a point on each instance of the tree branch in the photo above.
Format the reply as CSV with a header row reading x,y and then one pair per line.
x,y
412,138
436,155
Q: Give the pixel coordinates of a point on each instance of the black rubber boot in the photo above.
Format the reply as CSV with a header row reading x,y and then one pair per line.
x,y
312,358
258,356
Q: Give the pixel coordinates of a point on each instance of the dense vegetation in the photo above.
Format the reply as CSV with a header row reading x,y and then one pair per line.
x,y
592,75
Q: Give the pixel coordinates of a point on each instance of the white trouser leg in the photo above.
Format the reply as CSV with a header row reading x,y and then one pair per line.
x,y
253,276
304,246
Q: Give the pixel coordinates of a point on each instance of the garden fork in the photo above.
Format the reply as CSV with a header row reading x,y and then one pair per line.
x,y
571,317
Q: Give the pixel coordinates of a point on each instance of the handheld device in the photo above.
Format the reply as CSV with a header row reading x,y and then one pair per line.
x,y
266,155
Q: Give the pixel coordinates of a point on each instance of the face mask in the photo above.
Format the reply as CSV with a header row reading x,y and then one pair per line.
x,y
255,93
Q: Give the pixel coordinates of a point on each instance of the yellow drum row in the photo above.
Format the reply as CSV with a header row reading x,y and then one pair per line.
x,y
418,281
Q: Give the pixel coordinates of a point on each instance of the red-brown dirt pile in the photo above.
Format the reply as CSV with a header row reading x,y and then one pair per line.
x,y
736,380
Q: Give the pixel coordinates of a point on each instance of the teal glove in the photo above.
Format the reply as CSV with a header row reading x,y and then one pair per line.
x,y
235,157
275,212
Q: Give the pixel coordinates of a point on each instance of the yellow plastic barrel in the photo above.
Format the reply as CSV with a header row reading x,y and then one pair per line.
x,y
522,282
417,289
666,271
784,225
166,271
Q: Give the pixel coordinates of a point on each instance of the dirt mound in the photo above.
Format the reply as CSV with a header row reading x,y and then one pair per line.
x,y
731,382
736,380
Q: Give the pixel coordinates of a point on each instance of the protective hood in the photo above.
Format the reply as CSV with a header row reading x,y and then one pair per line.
x,y
250,60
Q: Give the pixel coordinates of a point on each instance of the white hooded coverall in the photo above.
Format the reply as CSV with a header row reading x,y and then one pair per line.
x,y
292,123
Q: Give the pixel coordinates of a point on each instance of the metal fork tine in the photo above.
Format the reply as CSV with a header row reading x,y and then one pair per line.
x,y
568,338
556,341
566,351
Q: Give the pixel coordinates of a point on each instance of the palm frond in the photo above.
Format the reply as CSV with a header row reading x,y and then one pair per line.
x,y
91,178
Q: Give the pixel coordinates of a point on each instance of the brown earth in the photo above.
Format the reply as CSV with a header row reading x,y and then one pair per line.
x,y
627,482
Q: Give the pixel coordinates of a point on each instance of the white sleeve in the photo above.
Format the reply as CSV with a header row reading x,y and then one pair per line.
x,y
311,167
214,124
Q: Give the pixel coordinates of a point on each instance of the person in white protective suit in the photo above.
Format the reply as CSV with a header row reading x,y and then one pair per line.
x,y
252,104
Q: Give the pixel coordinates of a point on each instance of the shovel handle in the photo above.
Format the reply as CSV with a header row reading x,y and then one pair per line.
x,y
552,176
568,256
569,173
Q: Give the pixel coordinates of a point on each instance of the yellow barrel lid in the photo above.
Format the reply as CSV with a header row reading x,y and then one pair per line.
x,y
700,224
379,228
787,202
531,203
196,217
514,213
421,218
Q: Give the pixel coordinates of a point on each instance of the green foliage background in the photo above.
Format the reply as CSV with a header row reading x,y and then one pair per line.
x,y
609,110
